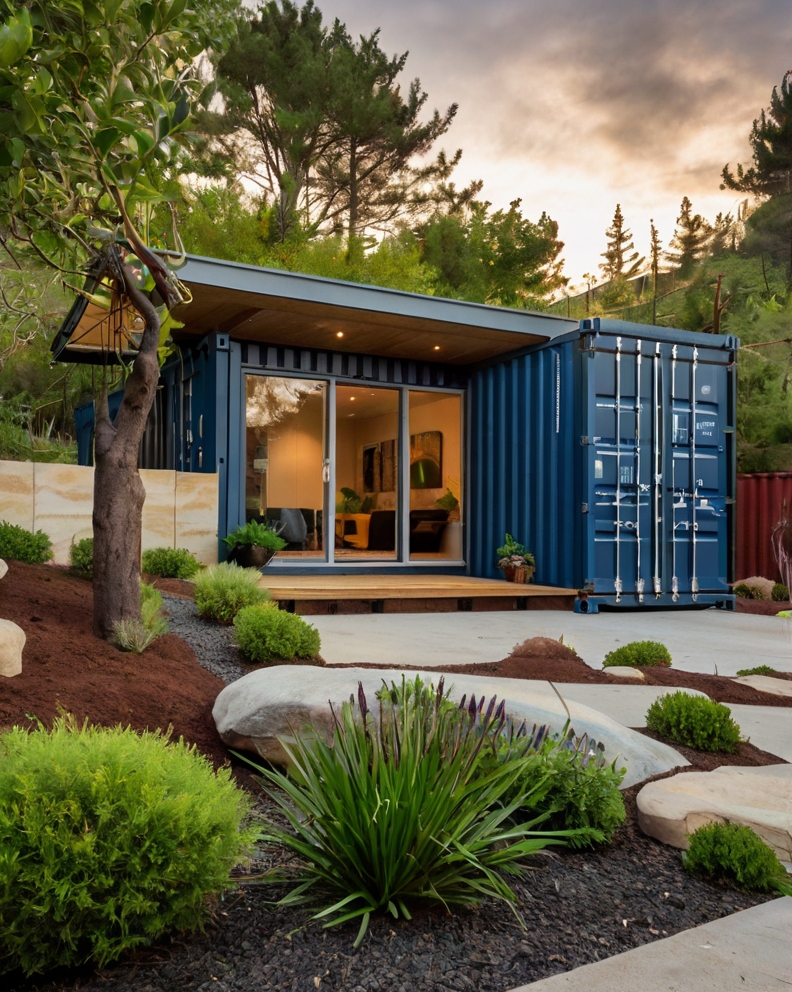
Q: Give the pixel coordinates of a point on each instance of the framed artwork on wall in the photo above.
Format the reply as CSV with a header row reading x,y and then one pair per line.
x,y
426,460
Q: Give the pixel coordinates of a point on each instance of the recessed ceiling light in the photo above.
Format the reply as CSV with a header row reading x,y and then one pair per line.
x,y
339,334
351,399
351,415
437,347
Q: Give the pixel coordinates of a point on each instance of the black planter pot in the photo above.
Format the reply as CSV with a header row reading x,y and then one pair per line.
x,y
250,555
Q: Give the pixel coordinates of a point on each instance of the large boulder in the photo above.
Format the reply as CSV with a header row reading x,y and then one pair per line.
x,y
760,798
12,640
3,568
257,711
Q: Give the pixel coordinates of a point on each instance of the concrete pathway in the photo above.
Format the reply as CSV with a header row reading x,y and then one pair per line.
x,y
699,640
750,951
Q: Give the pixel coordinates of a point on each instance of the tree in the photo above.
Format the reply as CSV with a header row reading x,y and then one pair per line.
x,y
276,79
500,258
654,257
771,141
691,239
94,99
365,178
619,264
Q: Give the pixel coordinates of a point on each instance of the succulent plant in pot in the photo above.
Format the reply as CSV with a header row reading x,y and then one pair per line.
x,y
517,563
253,544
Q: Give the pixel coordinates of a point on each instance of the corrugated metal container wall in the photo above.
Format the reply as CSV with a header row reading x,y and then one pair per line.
x,y
762,500
610,453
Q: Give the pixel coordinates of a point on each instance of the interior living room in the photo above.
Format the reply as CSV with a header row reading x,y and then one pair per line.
x,y
390,456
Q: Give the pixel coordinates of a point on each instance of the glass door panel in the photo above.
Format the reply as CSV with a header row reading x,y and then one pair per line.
x,y
367,473
286,461
435,476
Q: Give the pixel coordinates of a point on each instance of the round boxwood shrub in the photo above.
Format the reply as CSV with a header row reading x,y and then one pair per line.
x,y
108,838
780,593
170,563
736,853
81,558
694,721
18,544
639,653
269,634
221,591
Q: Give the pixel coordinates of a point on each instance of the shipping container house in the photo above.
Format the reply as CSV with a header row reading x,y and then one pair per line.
x,y
393,433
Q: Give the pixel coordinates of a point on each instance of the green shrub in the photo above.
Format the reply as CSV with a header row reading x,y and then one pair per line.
x,y
406,807
780,593
759,670
736,853
265,633
221,591
136,635
170,563
108,838
694,721
583,792
639,653
18,544
743,591
81,557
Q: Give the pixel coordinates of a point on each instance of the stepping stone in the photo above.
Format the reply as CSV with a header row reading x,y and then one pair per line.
x,y
624,672
12,640
264,707
766,683
760,798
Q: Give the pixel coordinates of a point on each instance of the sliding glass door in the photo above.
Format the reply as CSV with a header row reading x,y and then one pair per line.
x,y
355,473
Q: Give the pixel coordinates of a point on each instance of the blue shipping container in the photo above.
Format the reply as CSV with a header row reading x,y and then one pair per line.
x,y
610,453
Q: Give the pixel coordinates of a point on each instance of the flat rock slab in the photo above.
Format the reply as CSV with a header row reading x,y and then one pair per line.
x,y
760,798
766,683
3,568
750,951
12,640
624,672
256,711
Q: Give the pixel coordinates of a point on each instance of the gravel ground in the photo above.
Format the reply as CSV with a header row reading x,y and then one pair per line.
x,y
578,907
213,645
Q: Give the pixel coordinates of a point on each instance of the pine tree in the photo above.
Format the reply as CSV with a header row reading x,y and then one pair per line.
x,y
654,256
619,264
691,239
771,141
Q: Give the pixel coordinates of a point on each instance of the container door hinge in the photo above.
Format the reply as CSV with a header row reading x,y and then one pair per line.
x,y
584,508
584,439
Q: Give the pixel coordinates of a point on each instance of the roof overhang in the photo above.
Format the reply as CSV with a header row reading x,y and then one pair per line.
x,y
296,310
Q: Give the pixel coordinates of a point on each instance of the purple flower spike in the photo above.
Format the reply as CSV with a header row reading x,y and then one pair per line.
x,y
362,702
472,706
481,704
462,701
440,687
500,712
490,708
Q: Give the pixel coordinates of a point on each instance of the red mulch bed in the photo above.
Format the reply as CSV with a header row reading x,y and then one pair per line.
x,y
549,660
761,607
64,665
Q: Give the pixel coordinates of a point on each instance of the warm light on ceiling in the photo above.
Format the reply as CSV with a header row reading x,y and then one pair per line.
x,y
339,334
351,399
437,347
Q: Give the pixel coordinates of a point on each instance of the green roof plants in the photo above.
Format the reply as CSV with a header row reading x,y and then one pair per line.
x,y
735,852
266,634
404,807
694,721
638,653
221,591
18,544
108,839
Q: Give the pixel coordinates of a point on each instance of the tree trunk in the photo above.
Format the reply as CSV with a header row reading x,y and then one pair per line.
x,y
353,192
118,488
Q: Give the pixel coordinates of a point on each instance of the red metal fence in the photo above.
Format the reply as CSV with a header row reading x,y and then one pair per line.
x,y
762,500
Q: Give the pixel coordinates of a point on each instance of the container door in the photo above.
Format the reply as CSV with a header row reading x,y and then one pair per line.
x,y
698,519
621,466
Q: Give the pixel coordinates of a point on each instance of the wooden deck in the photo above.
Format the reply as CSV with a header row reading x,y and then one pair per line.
x,y
323,594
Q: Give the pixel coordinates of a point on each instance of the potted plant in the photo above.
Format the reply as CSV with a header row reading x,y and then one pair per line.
x,y
518,565
253,544
450,503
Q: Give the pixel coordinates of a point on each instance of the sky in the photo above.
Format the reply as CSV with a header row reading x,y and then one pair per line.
x,y
577,105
